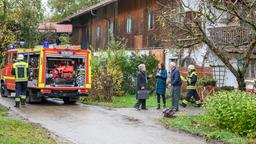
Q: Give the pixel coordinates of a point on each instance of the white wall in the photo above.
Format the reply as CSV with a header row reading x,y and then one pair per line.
x,y
230,79
198,55
191,5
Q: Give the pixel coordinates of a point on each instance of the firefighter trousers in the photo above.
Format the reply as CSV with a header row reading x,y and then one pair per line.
x,y
21,90
192,93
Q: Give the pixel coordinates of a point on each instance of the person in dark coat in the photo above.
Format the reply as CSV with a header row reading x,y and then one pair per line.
x,y
161,76
141,85
175,82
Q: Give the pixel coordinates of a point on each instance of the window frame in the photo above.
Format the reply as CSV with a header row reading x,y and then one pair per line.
x,y
14,57
151,20
111,27
98,32
7,59
181,14
129,24
251,71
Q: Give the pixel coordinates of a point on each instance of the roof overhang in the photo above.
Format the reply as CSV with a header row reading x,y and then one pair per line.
x,y
87,10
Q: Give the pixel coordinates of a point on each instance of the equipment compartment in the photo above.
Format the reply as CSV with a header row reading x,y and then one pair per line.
x,y
65,72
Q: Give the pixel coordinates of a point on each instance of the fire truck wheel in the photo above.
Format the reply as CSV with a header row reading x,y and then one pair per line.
x,y
4,91
68,101
33,97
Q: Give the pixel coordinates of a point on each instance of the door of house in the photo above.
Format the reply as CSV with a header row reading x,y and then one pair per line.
x,y
85,38
138,41
159,54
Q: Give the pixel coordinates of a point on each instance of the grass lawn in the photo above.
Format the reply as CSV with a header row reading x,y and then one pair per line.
x,y
198,125
127,101
19,132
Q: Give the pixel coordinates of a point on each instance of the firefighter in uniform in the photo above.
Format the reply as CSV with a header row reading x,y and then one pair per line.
x,y
191,87
20,71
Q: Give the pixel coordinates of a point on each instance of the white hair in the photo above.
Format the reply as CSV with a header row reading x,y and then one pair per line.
x,y
141,67
172,64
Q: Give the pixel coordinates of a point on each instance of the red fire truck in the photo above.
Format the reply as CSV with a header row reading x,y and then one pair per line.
x,y
53,73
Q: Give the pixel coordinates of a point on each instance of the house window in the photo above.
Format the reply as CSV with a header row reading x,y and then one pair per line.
x,y
180,14
111,27
7,59
14,57
129,24
251,71
240,64
151,20
98,32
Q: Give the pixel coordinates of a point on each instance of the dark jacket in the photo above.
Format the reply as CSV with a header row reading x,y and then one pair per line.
x,y
141,81
161,82
175,77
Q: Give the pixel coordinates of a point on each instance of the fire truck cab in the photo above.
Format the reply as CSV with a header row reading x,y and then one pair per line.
x,y
53,73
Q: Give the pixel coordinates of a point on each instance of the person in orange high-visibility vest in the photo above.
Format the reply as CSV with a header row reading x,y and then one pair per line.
x,y
20,71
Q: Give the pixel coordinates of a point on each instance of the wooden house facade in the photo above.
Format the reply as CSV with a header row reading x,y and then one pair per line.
x,y
134,20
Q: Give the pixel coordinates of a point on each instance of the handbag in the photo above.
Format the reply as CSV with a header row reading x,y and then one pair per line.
x,y
143,94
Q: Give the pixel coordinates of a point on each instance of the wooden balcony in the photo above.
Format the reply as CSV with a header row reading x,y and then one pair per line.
x,y
232,36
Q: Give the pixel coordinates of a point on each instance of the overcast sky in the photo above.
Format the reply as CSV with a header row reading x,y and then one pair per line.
x,y
45,5
45,1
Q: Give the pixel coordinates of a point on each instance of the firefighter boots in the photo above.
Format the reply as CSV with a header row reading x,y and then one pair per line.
x,y
23,100
17,103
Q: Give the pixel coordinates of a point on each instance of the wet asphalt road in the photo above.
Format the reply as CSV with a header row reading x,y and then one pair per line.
x,y
82,124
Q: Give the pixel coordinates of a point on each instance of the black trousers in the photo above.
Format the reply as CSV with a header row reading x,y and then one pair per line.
x,y
21,90
159,97
192,93
141,103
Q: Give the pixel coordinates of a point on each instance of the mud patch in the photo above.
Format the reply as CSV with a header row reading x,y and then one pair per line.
x,y
131,120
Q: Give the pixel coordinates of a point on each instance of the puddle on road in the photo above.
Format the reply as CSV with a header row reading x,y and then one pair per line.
x,y
131,120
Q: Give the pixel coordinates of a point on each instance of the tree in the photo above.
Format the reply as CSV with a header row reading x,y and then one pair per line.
x,y
6,35
63,8
19,21
30,13
209,14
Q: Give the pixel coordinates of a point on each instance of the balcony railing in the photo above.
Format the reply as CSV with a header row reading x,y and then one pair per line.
x,y
234,36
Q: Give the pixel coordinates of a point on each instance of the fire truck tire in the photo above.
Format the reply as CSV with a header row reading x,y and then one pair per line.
x,y
4,91
68,101
33,98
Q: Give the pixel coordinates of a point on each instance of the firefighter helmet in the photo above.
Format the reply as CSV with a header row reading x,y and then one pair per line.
x,y
20,57
192,67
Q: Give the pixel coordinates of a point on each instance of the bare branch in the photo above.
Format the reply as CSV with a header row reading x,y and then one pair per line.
x,y
248,55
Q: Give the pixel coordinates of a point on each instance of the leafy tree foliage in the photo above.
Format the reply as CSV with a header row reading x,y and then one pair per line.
x,y
64,8
19,21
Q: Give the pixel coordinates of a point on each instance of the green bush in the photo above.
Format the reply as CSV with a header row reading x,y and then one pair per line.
x,y
64,39
227,88
234,111
120,67
104,79
131,68
206,81
114,62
